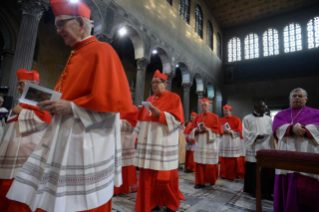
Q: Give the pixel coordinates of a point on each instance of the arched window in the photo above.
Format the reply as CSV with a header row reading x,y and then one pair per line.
x,y
251,46
184,8
199,21
313,33
271,42
234,50
210,32
292,38
219,46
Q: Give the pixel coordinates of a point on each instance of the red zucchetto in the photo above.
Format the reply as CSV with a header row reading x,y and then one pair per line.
x,y
158,74
226,107
65,7
194,114
28,75
204,100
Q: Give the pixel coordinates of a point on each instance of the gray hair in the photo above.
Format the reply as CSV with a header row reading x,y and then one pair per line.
x,y
89,24
298,89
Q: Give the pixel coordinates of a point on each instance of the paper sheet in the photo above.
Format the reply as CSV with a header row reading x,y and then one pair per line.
x,y
147,105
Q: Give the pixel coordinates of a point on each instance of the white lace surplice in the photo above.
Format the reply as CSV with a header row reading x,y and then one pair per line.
x,y
75,166
157,146
252,127
19,140
207,147
128,143
230,145
299,144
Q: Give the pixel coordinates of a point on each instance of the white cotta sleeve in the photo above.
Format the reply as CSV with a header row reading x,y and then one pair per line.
x,y
249,134
172,123
280,131
89,117
30,122
314,131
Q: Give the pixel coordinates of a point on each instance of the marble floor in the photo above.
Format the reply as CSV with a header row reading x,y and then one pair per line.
x,y
225,196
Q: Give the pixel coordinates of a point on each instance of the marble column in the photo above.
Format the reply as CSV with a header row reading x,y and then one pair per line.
x,y
169,82
6,58
104,38
187,88
140,80
32,11
200,95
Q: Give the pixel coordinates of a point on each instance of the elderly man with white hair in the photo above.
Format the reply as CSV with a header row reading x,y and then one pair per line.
x,y
296,129
206,131
78,160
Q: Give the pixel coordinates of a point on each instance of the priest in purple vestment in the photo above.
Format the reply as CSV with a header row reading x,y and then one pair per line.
x,y
297,129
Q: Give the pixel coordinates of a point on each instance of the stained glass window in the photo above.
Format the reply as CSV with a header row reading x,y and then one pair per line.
x,y
210,35
199,21
219,46
292,38
234,50
170,1
271,42
184,8
251,46
313,33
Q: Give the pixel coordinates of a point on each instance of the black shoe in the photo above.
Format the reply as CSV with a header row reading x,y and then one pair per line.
x,y
169,210
199,186
157,208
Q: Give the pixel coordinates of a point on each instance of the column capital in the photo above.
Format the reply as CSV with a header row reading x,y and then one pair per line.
x,y
187,87
104,38
33,8
142,63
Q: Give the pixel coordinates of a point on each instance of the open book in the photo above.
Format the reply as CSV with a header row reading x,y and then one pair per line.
x,y
33,94
226,127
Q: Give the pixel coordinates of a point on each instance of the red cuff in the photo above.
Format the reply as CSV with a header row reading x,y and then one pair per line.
x,y
193,141
161,118
308,134
287,133
135,140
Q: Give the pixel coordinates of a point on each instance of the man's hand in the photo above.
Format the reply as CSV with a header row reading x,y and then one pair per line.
x,y
189,141
17,109
260,137
155,111
227,132
299,130
60,106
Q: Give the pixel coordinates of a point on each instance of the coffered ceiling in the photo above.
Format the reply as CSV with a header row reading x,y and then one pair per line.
x,y
231,13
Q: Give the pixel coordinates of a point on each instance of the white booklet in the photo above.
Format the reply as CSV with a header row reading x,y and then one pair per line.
x,y
33,94
147,105
226,127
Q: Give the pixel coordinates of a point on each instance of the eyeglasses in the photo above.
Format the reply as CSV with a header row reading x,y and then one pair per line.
x,y
61,23
21,84
156,82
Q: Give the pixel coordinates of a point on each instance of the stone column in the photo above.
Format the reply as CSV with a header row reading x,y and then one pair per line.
x,y
169,82
211,105
104,38
200,95
140,80
187,88
6,58
32,11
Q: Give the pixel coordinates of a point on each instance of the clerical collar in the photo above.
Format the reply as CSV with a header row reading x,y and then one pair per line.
x,y
84,42
86,38
257,114
162,94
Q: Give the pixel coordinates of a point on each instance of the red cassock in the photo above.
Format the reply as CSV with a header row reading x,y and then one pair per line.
x,y
5,185
190,163
207,173
129,176
152,189
232,167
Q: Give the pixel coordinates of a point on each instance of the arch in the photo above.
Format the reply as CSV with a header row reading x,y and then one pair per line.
x,y
184,9
234,49
96,16
167,68
137,41
9,29
210,33
199,21
199,82
292,38
185,73
271,42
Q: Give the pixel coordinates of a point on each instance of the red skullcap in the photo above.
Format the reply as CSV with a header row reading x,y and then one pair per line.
x,y
226,107
204,100
65,7
193,114
158,74
28,75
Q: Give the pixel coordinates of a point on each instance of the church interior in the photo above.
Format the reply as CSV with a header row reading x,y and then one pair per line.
x,y
232,52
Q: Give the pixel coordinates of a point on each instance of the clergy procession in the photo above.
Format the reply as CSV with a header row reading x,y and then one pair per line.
x,y
79,151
